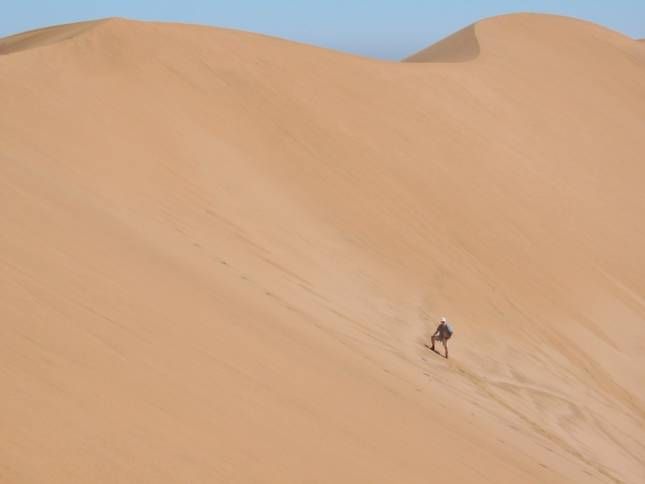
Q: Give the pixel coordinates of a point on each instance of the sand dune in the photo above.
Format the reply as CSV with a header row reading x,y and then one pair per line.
x,y
222,254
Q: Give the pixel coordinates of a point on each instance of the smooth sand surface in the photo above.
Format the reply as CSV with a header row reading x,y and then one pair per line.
x,y
222,254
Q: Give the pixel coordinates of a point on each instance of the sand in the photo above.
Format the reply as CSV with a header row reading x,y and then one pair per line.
x,y
223,253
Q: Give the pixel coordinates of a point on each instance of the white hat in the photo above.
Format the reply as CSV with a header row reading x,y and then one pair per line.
x,y
443,320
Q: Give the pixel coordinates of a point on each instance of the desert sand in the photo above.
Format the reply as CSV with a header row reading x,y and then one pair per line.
x,y
222,255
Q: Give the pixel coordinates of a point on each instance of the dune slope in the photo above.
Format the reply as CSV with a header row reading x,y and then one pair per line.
x,y
223,253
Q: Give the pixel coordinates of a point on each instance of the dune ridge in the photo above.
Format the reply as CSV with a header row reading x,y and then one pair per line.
x,y
46,36
223,254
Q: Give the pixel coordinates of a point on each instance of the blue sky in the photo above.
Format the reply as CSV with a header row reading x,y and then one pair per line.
x,y
388,29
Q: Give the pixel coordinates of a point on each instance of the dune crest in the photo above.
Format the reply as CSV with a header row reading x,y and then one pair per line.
x,y
46,36
223,255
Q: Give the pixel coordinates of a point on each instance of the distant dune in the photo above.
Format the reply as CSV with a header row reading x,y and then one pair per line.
x,y
223,255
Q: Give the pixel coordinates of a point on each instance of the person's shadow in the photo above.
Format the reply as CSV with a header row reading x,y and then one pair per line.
x,y
434,350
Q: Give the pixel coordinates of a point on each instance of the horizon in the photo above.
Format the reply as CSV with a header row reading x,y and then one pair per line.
x,y
379,30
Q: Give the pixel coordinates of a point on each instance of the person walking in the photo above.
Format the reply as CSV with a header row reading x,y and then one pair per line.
x,y
442,333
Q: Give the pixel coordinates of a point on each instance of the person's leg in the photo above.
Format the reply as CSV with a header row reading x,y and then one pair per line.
x,y
445,346
432,340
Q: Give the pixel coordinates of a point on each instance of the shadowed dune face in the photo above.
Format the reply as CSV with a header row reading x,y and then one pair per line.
x,y
461,46
223,253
